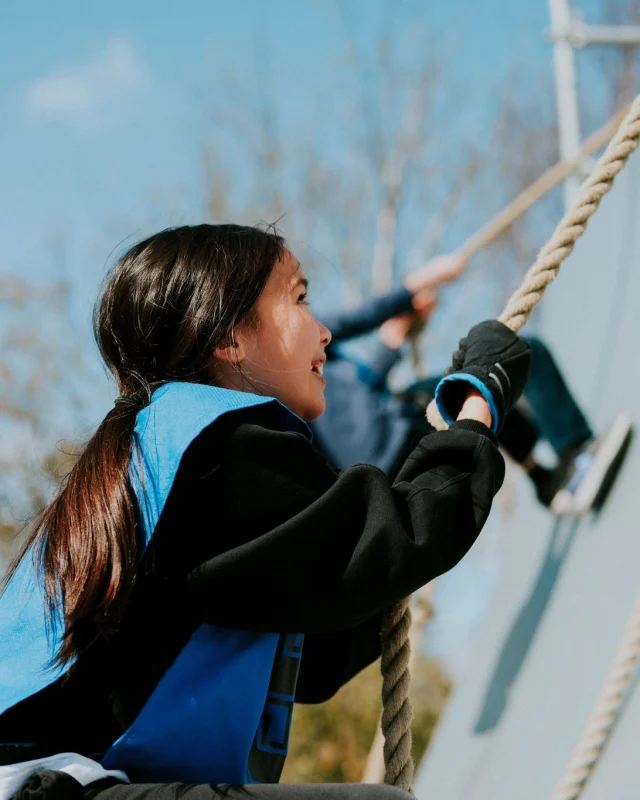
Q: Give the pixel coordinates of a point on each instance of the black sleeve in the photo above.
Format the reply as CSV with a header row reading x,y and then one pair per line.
x,y
295,547
351,322
329,660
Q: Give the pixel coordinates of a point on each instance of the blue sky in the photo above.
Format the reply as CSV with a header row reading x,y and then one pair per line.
x,y
106,106
106,109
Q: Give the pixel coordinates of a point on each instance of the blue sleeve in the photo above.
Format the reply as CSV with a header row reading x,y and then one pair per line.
x,y
382,360
367,317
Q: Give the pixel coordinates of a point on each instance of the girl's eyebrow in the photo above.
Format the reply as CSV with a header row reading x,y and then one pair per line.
x,y
300,282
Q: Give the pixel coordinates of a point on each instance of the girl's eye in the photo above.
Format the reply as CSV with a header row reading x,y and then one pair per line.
x,y
303,299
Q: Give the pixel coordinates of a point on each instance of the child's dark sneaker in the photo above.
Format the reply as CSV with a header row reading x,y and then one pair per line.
x,y
548,482
584,476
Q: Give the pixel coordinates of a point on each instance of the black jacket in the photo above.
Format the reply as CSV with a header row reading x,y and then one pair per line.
x,y
260,533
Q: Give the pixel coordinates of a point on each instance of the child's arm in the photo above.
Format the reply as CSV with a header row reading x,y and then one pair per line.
x,y
294,547
393,334
416,297
352,322
330,660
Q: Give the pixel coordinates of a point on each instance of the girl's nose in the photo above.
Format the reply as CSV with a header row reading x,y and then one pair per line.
x,y
325,334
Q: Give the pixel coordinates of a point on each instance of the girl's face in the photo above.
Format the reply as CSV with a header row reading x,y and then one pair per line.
x,y
280,350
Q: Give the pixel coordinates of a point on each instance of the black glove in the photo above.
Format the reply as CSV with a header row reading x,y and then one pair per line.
x,y
496,362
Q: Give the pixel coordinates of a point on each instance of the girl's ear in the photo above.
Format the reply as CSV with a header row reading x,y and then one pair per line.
x,y
233,352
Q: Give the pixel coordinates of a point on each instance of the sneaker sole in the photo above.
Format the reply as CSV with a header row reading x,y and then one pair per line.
x,y
605,464
612,475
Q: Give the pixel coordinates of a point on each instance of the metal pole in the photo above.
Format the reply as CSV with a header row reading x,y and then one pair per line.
x,y
566,91
582,35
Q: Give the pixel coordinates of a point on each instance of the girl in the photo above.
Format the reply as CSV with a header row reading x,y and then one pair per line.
x,y
203,568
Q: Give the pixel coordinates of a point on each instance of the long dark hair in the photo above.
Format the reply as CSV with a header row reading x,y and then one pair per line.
x,y
167,304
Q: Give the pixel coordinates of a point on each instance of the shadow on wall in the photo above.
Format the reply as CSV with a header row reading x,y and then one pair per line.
x,y
523,631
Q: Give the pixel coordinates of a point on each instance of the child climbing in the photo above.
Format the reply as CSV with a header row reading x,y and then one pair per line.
x,y
365,423
203,568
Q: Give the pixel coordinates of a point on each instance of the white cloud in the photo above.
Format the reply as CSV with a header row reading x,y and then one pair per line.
x,y
115,74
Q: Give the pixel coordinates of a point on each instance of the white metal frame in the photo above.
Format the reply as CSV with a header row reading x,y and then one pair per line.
x,y
568,31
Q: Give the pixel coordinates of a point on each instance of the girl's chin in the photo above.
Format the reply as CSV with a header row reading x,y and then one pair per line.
x,y
313,410
309,404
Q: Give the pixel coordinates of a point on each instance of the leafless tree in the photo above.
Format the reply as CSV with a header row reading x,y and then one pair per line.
x,y
46,391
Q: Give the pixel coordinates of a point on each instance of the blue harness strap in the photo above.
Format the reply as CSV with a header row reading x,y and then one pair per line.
x,y
201,720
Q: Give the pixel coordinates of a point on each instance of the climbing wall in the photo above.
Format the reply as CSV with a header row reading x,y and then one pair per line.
x,y
538,657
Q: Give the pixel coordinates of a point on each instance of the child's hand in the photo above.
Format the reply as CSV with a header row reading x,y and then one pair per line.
x,y
441,269
424,303
393,333
475,407
493,360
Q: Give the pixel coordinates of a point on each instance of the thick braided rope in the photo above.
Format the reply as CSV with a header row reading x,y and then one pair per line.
x,y
396,724
397,713
604,715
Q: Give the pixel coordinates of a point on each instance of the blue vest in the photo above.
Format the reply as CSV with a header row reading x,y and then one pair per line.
x,y
222,711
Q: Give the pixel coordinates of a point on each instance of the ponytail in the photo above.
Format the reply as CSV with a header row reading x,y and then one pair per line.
x,y
84,543
165,307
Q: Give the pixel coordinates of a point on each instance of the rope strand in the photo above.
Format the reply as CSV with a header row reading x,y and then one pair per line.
x,y
604,715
